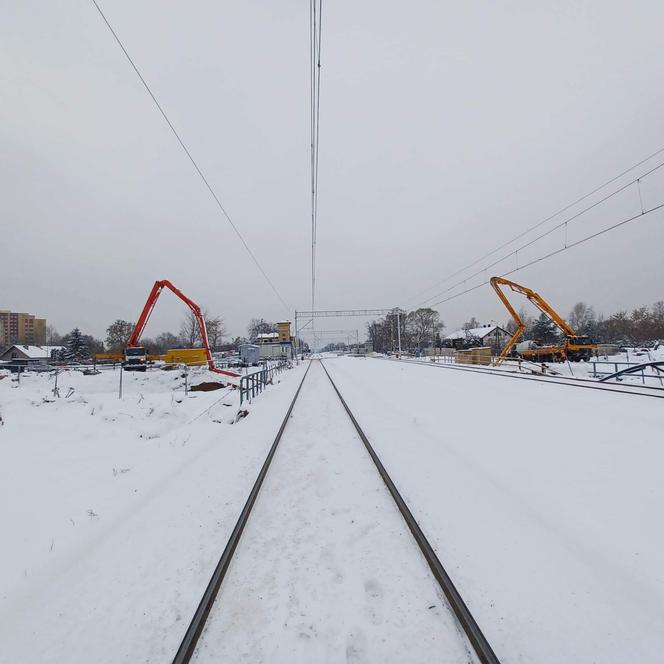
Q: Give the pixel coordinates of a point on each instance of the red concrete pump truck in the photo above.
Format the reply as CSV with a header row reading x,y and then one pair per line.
x,y
136,356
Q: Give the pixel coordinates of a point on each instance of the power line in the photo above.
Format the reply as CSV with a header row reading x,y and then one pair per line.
x,y
535,226
636,217
315,30
188,153
515,252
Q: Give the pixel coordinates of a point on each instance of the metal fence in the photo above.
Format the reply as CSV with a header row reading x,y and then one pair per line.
x,y
443,359
254,383
648,371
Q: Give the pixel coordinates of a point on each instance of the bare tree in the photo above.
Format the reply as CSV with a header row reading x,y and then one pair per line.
x,y
582,318
423,324
641,324
658,319
190,334
166,340
617,327
216,330
260,326
384,333
161,343
117,334
53,337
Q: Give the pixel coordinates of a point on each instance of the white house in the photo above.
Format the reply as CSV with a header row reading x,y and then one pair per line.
x,y
488,335
27,356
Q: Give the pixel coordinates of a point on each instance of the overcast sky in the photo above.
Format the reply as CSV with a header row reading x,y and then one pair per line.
x,y
446,129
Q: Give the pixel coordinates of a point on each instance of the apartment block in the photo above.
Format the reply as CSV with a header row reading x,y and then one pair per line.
x,y
21,328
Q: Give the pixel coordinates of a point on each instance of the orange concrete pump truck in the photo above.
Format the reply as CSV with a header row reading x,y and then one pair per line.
x,y
136,356
573,347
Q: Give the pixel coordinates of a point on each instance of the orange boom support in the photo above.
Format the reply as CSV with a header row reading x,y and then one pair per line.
x,y
574,346
147,310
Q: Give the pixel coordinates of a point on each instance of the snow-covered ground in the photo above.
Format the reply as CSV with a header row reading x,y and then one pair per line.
x,y
542,501
327,570
593,370
610,363
114,512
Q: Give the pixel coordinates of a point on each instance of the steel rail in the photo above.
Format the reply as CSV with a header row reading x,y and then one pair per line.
x,y
469,624
190,639
568,381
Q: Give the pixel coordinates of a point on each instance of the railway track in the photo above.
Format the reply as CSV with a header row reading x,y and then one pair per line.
x,y
634,390
473,633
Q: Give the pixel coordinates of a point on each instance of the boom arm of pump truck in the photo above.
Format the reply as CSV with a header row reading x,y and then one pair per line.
x,y
196,310
537,300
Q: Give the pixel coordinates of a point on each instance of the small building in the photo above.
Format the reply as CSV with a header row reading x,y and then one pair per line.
x,y
491,335
29,356
281,336
249,354
275,345
280,351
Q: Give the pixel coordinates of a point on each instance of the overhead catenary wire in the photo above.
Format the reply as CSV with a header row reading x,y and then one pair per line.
x,y
315,33
570,245
535,226
563,224
190,157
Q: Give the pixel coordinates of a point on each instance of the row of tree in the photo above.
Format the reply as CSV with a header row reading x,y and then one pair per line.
x,y
422,328
119,332
76,346
337,346
416,329
81,347
637,327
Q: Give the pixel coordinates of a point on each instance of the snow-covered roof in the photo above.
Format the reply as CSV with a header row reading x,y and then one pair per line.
x,y
479,332
268,335
36,352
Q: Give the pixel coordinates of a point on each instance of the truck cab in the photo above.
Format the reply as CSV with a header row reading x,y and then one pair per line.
x,y
580,348
136,359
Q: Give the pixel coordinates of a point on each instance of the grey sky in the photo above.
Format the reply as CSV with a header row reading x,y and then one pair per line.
x,y
446,128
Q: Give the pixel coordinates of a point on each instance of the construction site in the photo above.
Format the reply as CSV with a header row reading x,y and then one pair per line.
x,y
394,401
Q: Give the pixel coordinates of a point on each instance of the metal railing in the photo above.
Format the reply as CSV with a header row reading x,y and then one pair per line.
x,y
645,371
254,383
442,359
601,369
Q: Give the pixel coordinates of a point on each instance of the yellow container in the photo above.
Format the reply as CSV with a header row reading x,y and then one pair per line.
x,y
194,356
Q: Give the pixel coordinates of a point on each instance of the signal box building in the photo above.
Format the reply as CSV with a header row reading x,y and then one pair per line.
x,y
276,345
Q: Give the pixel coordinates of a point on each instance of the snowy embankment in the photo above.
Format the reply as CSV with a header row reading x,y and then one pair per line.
x,y
541,500
592,370
114,511
611,363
